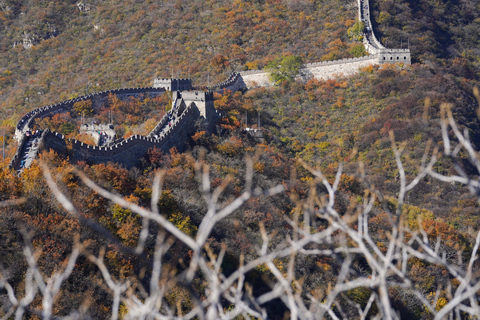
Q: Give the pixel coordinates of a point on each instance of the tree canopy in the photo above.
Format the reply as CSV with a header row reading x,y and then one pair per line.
x,y
284,68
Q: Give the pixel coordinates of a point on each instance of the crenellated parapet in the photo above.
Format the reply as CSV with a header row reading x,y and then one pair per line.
x,y
173,130
26,122
130,151
171,84
372,45
233,83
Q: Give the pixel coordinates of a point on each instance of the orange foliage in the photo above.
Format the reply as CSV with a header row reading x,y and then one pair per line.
x,y
85,138
129,231
436,228
231,147
198,135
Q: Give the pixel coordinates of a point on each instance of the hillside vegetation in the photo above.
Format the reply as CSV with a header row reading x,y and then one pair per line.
x,y
125,44
321,124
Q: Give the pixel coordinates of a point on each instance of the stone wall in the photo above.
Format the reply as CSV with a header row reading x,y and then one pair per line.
x,y
199,103
336,69
26,122
128,152
15,162
173,84
202,99
255,79
323,70
395,56
370,41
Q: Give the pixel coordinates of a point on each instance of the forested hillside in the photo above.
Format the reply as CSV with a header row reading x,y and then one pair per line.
x,y
327,235
126,44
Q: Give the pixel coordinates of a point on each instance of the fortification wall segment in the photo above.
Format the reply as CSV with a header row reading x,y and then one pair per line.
x,y
17,157
26,122
322,70
395,56
129,151
233,83
372,45
337,70
159,125
171,84
337,62
256,79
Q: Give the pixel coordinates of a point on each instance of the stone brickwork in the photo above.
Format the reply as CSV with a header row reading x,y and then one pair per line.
x,y
255,79
26,122
199,105
233,83
336,69
130,151
173,84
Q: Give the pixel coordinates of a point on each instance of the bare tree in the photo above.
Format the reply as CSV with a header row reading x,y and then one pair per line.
x,y
346,239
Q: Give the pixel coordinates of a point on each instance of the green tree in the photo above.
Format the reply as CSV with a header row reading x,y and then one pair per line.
x,y
355,32
358,51
284,68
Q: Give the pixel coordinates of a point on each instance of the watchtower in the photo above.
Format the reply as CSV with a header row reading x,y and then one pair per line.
x,y
173,84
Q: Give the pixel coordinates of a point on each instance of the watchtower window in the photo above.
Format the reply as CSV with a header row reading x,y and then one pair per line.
x,y
404,58
391,58
397,58
383,58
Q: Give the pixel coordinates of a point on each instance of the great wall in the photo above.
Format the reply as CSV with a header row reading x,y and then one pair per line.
x,y
188,106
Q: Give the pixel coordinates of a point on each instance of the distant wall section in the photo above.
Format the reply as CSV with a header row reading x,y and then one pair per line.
x,y
256,78
336,69
323,70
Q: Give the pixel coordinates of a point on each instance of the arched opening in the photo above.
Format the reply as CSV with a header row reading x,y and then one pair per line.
x,y
391,58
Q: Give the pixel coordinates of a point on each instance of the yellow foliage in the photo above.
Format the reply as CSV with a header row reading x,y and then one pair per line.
x,y
183,223
252,65
441,303
148,126
83,108
367,69
259,167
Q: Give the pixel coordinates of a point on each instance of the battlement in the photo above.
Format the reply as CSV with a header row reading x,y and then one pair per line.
x,y
126,151
175,134
173,84
197,95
